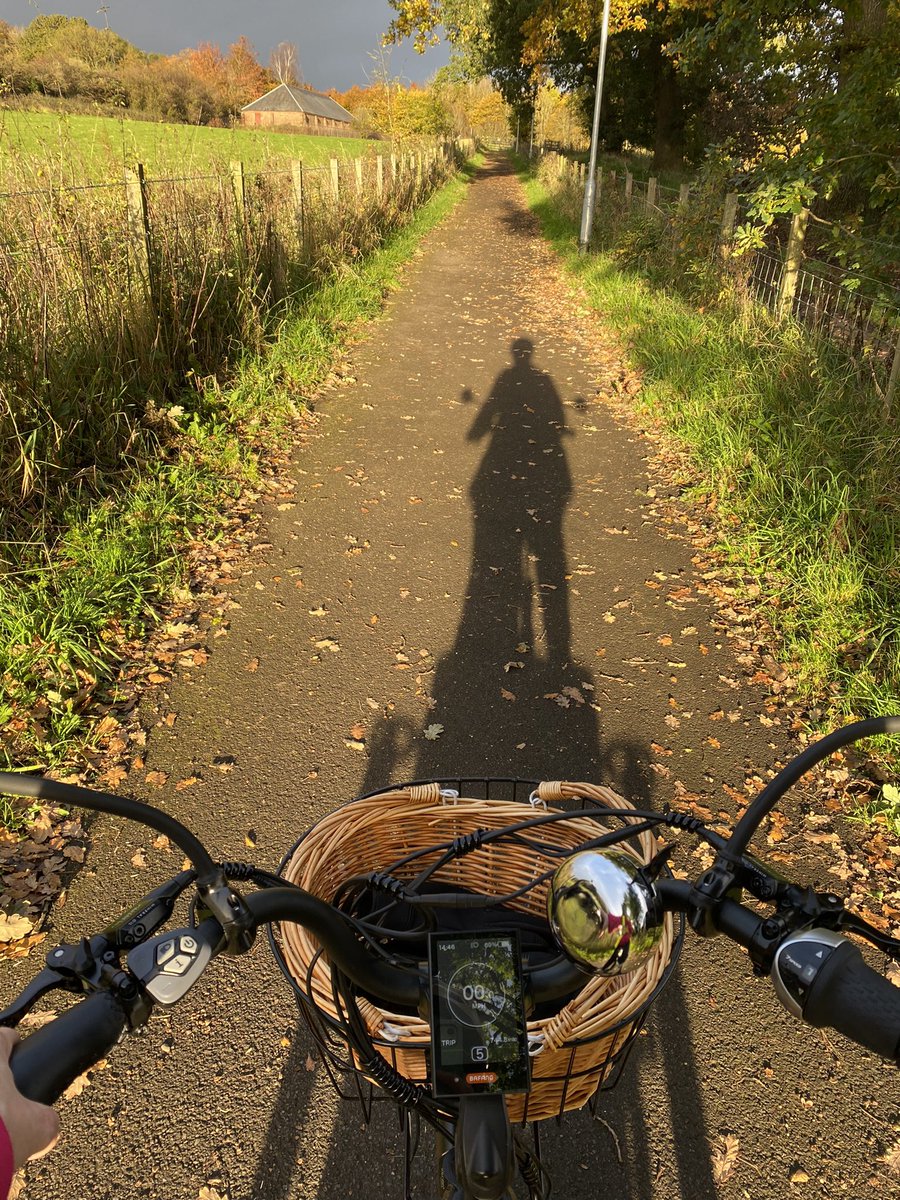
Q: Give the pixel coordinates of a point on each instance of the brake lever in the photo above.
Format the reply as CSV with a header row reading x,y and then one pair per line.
x,y
851,922
149,914
71,967
46,981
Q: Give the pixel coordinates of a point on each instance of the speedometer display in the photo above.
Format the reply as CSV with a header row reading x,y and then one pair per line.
x,y
476,994
479,1035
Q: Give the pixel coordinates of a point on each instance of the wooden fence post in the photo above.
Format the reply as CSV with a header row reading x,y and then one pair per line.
x,y
379,175
793,259
393,168
239,187
684,196
297,178
652,185
139,220
358,163
629,187
335,180
726,230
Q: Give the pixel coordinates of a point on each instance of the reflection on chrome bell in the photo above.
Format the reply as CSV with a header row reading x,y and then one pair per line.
x,y
602,912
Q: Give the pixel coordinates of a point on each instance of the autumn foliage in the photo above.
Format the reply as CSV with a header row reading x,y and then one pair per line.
x,y
69,60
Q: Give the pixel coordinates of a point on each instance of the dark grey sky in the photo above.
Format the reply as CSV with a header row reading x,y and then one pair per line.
x,y
335,37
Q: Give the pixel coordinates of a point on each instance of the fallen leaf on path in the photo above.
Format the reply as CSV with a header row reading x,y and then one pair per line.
x,y
373,704
156,778
507,695
252,665
77,1086
891,1159
799,1176
162,843
513,666
724,1157
12,927
358,730
250,838
182,784
319,611
139,859
433,732
355,744
115,775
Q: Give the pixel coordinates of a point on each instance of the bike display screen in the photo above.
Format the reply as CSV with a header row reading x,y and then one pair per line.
x,y
479,1037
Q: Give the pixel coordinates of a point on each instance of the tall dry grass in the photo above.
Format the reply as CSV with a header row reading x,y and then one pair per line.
x,y
99,338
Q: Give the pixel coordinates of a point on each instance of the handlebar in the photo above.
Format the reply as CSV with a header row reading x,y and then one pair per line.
x,y
44,1064
818,975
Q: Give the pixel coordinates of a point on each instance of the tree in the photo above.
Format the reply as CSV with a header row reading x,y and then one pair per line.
x,y
207,63
284,64
523,43
246,80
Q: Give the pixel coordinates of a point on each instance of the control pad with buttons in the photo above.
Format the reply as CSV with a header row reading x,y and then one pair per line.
x,y
170,964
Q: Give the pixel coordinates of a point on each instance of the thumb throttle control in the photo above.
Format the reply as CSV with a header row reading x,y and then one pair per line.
x,y
822,977
169,965
798,961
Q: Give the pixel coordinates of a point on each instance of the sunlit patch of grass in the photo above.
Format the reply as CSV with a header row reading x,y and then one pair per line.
x,y
791,440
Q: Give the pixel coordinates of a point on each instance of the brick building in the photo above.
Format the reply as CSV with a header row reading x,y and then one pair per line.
x,y
296,110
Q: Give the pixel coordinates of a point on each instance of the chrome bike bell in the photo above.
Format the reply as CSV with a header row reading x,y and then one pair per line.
x,y
603,913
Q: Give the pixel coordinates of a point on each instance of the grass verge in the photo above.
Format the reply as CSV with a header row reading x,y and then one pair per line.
x,y
86,149
69,612
796,451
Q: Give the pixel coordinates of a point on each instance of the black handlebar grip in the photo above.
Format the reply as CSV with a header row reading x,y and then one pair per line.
x,y
44,1064
849,996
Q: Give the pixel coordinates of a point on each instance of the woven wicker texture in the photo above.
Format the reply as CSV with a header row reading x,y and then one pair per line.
x,y
370,834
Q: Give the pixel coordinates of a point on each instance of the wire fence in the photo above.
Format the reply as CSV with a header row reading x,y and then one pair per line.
x,y
115,297
852,310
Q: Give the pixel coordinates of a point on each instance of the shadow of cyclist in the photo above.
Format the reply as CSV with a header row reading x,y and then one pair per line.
x,y
514,699
509,692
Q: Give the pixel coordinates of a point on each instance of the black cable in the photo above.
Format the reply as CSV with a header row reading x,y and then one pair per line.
x,y
492,835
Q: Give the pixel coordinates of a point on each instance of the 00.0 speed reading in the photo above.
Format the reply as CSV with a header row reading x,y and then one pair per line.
x,y
476,994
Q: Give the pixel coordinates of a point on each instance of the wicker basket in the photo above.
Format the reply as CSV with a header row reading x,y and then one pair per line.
x,y
581,1043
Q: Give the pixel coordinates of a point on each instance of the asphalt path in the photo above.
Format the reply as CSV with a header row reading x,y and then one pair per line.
x,y
464,493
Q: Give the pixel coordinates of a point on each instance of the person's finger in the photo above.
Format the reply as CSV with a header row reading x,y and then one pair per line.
x,y
46,1130
8,1039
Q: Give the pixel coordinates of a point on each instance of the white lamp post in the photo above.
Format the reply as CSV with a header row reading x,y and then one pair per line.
x,y
590,186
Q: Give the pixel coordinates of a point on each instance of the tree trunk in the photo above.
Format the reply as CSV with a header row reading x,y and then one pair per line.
x,y
668,142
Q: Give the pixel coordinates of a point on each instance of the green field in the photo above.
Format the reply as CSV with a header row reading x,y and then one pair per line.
x,y
96,149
